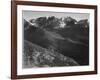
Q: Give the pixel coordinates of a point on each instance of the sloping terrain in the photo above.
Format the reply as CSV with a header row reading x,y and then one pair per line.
x,y
70,41
37,56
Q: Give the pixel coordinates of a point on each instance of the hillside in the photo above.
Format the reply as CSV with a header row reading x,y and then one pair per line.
x,y
37,56
72,40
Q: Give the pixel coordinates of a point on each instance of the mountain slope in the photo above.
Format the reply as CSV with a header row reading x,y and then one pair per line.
x,y
71,41
36,56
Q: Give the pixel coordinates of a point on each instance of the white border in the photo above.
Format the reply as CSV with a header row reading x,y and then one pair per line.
x,y
21,71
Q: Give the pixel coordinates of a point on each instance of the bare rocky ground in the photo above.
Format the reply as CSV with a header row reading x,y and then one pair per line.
x,y
37,56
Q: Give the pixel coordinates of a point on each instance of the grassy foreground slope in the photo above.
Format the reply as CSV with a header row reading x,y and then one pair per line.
x,y
37,56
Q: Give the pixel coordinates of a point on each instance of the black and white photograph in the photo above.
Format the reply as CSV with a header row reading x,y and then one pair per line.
x,y
55,39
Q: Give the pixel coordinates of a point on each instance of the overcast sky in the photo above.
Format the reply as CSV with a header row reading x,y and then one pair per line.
x,y
35,14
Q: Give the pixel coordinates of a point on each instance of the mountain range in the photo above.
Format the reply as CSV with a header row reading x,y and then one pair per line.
x,y
72,40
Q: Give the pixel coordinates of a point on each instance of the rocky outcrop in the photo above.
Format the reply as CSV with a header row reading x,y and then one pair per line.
x,y
37,56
